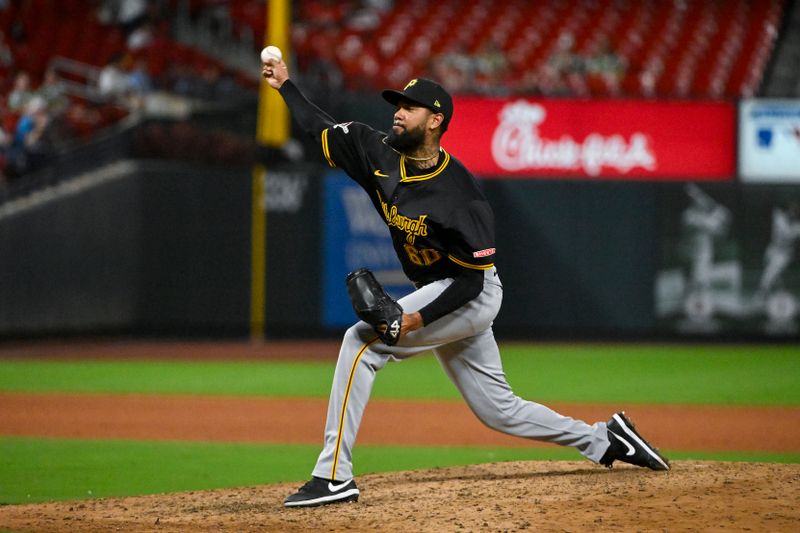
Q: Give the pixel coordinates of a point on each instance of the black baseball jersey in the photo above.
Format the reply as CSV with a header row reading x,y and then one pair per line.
x,y
439,219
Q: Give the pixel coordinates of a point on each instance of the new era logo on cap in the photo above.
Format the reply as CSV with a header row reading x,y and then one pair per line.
x,y
425,92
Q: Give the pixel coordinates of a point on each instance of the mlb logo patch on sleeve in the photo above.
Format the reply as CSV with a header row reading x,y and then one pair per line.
x,y
343,126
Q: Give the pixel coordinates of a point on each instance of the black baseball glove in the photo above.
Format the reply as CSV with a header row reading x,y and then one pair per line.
x,y
374,306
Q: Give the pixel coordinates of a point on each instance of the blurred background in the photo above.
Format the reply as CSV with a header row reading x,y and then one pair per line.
x,y
642,158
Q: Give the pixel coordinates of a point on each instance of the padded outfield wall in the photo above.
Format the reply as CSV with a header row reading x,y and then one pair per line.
x,y
133,247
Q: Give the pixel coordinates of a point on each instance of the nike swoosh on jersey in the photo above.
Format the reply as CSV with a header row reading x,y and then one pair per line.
x,y
380,174
337,488
631,449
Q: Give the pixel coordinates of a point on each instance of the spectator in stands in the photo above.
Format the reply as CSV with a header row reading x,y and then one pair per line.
x,y
607,64
381,6
21,93
115,83
490,59
128,14
367,17
53,93
565,71
456,69
141,37
139,77
564,59
32,143
491,67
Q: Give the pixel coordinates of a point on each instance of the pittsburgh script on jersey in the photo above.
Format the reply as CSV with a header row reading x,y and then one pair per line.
x,y
413,227
517,145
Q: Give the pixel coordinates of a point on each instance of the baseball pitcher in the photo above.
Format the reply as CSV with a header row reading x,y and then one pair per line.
x,y
442,229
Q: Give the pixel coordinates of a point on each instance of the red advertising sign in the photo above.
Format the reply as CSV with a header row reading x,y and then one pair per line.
x,y
584,139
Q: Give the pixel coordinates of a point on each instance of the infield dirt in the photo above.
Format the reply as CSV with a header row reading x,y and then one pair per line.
x,y
515,496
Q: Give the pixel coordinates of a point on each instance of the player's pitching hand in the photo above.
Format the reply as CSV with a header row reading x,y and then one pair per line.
x,y
410,323
275,72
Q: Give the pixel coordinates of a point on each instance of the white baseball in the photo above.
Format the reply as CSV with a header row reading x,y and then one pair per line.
x,y
271,52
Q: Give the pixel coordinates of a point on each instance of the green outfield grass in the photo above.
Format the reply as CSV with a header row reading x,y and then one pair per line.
x,y
732,375
36,470
33,469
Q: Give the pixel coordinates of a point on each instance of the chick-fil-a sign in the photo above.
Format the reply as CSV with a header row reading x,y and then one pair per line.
x,y
594,139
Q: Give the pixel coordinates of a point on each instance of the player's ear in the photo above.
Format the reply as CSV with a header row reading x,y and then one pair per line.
x,y
436,120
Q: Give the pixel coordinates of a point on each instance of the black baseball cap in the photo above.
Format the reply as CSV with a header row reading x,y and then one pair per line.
x,y
426,93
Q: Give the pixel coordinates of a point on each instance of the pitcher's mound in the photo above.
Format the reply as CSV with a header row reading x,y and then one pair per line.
x,y
513,496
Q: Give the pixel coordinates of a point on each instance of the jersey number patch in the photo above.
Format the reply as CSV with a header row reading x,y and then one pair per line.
x,y
423,257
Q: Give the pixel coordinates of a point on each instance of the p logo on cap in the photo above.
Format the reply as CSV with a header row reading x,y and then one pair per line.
x,y
427,93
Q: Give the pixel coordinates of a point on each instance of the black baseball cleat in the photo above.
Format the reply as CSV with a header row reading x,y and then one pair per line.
x,y
320,491
629,447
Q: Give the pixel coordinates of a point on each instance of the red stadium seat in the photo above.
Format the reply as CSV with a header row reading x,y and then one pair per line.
x,y
687,49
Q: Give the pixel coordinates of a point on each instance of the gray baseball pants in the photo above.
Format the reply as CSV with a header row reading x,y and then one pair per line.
x,y
464,344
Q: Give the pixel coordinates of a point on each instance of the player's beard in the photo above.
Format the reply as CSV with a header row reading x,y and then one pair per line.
x,y
408,140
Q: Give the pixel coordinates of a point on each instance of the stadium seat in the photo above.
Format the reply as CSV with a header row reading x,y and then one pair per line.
x,y
687,49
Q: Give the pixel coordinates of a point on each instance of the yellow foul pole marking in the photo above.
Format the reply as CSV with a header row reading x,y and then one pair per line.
x,y
258,253
273,116
272,130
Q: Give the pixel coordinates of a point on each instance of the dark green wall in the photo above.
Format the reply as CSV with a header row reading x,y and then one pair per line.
x,y
157,248
575,258
163,248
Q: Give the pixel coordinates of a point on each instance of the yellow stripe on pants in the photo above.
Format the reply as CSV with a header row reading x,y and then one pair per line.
x,y
344,405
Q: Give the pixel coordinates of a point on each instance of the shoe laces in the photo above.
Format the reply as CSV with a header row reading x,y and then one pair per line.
x,y
309,486
315,484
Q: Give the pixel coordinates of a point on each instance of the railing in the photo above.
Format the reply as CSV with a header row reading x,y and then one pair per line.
x,y
78,79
